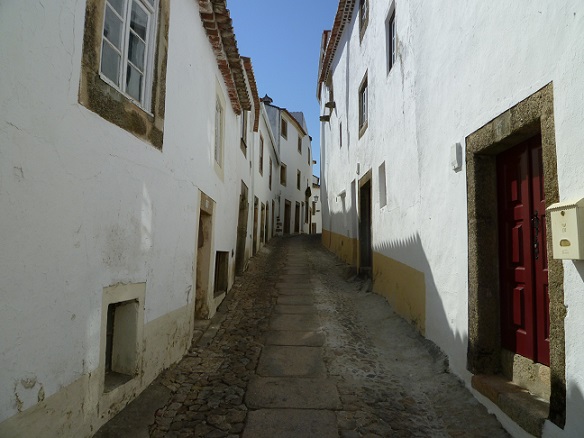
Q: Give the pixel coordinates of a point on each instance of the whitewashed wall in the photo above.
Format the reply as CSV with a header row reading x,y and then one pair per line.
x,y
86,205
459,66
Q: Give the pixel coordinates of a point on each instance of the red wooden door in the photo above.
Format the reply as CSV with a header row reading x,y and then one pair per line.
x,y
523,256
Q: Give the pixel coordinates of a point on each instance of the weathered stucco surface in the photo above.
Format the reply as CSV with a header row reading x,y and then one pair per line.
x,y
92,200
459,70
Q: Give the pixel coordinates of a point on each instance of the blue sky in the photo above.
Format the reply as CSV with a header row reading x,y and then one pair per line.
x,y
282,38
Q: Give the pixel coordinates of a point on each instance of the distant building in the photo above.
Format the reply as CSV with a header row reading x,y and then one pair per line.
x,y
316,207
294,147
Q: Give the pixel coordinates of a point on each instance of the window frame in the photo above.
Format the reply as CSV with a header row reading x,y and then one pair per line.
x,y
243,133
261,155
108,102
219,134
298,178
382,181
300,145
363,106
270,175
284,128
283,174
391,41
363,17
151,9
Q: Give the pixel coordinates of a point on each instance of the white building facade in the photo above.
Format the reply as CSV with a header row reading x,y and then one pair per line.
x,y
120,179
295,176
446,133
316,207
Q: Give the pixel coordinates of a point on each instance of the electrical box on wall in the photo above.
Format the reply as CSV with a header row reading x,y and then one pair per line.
x,y
568,229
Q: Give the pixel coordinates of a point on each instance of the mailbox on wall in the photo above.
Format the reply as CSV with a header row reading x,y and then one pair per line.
x,y
568,229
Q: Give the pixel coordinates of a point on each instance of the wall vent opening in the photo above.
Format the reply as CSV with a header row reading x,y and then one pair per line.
x,y
221,272
121,352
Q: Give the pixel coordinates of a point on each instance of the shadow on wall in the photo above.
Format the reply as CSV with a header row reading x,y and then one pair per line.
x,y
343,241
403,275
575,397
575,407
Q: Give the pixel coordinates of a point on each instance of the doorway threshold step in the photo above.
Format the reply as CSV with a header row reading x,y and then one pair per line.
x,y
525,409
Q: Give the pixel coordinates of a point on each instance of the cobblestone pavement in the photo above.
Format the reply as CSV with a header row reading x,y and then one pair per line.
x,y
297,351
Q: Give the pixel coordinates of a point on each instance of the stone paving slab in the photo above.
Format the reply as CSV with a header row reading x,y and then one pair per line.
x,y
294,284
295,271
305,292
296,299
285,392
307,339
281,361
295,322
295,277
134,420
297,309
288,423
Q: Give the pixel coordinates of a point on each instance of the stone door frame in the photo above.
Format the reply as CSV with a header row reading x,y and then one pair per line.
x,y
529,117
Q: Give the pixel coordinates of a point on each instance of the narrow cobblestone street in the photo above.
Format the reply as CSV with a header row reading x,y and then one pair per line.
x,y
299,350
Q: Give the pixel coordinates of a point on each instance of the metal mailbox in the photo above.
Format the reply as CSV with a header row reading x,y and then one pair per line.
x,y
567,220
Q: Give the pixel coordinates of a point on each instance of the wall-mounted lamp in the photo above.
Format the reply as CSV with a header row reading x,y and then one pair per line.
x,y
330,105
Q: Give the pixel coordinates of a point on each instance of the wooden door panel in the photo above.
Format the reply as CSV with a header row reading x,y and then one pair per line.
x,y
517,244
540,253
518,306
523,257
515,248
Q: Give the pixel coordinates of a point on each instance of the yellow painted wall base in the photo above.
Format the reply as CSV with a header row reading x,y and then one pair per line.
x,y
403,286
344,247
81,408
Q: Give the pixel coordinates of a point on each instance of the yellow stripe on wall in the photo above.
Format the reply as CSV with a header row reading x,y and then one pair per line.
x,y
403,286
